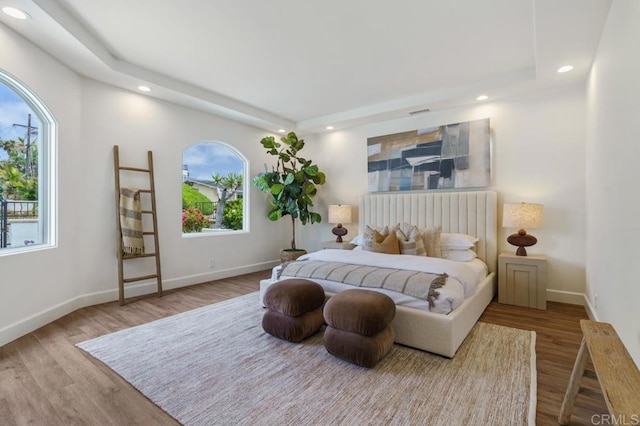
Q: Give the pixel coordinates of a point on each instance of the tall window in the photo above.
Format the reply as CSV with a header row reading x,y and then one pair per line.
x,y
214,181
27,131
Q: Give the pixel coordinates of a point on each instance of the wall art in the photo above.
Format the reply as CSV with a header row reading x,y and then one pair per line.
x,y
445,157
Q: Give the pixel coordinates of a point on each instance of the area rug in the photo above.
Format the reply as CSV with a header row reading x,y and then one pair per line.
x,y
216,366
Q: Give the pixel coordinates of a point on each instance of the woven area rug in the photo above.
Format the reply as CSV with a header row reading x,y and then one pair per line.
x,y
216,366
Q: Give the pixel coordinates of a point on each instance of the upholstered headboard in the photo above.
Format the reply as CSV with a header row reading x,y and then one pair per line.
x,y
473,213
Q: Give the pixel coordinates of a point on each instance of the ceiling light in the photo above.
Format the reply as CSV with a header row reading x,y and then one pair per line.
x,y
329,127
15,13
565,68
144,88
482,98
281,131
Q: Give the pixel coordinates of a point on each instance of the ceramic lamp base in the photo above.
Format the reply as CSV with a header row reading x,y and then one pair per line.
x,y
522,240
339,231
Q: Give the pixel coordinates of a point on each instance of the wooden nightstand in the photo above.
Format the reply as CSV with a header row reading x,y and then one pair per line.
x,y
522,280
346,245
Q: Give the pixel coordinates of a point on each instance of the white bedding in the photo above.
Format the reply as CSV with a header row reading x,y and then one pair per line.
x,y
463,280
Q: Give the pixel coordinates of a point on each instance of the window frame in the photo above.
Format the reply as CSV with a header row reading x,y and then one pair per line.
x,y
47,171
245,193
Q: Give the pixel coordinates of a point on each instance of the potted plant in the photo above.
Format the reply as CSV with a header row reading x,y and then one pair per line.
x,y
291,186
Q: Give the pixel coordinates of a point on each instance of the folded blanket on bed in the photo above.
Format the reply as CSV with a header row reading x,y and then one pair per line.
x,y
421,285
131,222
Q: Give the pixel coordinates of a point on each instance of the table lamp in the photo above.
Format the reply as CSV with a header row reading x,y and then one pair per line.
x,y
522,215
339,214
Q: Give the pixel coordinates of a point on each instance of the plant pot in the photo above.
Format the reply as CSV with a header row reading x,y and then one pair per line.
x,y
289,255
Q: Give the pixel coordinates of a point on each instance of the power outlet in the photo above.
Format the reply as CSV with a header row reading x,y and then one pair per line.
x,y
595,301
212,264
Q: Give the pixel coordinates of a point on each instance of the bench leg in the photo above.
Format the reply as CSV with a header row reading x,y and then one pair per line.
x,y
574,384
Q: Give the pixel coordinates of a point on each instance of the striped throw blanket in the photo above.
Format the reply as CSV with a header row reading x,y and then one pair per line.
x,y
421,285
131,222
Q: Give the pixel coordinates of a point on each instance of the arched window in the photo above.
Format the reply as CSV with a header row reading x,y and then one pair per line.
x,y
214,182
27,149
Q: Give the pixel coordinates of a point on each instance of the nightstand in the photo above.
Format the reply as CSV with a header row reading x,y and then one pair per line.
x,y
345,245
522,280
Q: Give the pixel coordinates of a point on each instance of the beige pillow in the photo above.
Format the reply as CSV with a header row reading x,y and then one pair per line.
x,y
381,230
411,241
388,244
431,238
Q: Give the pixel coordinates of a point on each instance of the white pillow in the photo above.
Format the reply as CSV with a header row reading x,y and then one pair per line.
x,y
358,240
459,255
453,241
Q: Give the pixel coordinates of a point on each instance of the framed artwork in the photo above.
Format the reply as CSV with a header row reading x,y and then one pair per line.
x,y
445,157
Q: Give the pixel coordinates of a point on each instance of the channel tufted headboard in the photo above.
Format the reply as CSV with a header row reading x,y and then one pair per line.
x,y
473,213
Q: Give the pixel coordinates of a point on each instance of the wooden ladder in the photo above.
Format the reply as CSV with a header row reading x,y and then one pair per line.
x,y
121,256
617,374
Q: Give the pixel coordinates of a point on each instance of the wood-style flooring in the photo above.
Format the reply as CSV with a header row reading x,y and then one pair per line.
x,y
46,380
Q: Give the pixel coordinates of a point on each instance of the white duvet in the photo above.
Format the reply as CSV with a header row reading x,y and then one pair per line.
x,y
463,279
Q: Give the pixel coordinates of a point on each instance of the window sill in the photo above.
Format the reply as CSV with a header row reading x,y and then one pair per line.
x,y
213,232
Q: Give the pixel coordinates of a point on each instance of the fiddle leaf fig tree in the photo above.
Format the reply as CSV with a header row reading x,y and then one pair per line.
x,y
291,184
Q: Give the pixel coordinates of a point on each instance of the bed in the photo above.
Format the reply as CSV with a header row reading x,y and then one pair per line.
x,y
471,213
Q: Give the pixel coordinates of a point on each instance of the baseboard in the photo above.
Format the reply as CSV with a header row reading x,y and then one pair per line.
x,y
569,297
591,312
42,318
216,275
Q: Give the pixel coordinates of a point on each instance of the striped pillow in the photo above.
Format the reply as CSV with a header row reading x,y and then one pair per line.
x,y
411,241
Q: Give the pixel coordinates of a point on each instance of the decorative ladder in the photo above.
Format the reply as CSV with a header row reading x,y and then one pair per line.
x,y
121,256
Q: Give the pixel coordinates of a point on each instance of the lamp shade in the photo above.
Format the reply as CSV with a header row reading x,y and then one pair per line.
x,y
339,213
522,215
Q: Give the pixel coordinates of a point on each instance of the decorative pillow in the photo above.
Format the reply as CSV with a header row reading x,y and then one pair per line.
x,y
453,241
388,244
459,255
431,238
411,243
369,233
370,229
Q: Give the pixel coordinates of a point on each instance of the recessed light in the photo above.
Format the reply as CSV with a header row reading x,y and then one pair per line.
x,y
482,98
281,131
329,127
144,88
15,13
565,68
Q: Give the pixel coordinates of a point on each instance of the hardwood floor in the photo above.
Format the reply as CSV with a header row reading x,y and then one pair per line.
x,y
558,338
46,380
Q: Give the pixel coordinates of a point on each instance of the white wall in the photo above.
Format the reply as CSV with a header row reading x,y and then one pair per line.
x,y
37,287
139,123
34,282
613,151
538,156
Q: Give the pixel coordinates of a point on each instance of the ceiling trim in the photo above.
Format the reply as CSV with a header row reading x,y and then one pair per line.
x,y
215,102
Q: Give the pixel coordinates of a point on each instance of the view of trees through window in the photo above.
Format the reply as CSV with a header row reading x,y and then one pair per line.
x,y
20,172
213,182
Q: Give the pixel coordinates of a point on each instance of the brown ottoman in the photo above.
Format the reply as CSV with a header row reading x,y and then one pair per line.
x,y
294,309
359,326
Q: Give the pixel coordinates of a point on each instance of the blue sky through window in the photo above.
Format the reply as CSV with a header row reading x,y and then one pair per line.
x,y
207,158
13,110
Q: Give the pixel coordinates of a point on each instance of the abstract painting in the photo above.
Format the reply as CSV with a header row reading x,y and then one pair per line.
x,y
445,157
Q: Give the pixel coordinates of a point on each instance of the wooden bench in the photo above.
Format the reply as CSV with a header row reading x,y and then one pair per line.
x,y
617,374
